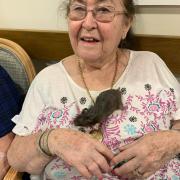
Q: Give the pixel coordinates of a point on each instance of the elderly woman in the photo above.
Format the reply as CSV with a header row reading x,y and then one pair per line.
x,y
144,133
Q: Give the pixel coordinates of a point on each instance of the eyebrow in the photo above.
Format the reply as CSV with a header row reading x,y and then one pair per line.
x,y
100,1
97,1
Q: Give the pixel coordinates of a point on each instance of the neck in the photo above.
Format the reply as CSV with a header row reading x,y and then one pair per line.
x,y
99,65
112,80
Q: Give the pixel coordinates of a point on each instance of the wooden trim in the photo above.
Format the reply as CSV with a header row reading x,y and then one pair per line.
x,y
21,54
42,45
53,45
13,175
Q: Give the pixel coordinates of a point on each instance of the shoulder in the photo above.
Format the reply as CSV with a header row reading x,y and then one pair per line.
x,y
50,72
55,73
149,64
58,67
146,58
145,55
151,67
57,70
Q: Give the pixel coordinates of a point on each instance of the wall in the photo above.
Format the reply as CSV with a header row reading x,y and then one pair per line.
x,y
31,14
160,20
43,15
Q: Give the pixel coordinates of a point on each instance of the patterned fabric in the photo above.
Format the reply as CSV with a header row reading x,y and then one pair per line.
x,y
10,102
151,99
11,63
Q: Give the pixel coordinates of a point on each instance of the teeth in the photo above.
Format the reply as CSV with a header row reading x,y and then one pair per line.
x,y
88,39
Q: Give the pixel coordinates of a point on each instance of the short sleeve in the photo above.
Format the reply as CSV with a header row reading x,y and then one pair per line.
x,y
32,106
167,79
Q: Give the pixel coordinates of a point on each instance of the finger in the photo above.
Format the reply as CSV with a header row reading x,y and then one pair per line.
x,y
107,153
95,170
101,162
130,176
142,170
122,148
84,171
147,174
127,167
125,155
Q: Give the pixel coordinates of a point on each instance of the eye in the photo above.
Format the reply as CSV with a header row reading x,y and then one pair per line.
x,y
103,10
77,8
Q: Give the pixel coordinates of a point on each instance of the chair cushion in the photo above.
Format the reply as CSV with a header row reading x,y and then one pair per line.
x,y
11,63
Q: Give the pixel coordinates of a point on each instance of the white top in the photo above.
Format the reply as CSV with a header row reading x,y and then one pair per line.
x,y
150,95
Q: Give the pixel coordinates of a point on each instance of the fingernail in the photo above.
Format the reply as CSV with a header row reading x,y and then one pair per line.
x,y
113,172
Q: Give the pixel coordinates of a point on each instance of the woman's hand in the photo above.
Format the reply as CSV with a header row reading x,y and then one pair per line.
x,y
147,154
87,155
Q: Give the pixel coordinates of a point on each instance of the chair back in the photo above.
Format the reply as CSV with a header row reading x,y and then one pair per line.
x,y
19,66
17,63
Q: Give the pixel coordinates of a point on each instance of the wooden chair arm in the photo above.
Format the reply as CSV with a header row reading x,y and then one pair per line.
x,y
13,175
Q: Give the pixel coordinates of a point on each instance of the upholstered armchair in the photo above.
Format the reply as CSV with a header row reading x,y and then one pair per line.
x,y
19,66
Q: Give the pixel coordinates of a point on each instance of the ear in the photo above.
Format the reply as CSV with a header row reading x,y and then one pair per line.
x,y
127,26
124,35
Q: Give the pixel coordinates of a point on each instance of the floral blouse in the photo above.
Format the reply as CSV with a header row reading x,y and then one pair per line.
x,y
150,95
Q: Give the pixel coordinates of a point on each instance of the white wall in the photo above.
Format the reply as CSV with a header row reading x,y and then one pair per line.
x,y
160,20
31,14
43,15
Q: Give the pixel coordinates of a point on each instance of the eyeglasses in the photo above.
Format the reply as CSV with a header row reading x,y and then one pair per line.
x,y
103,14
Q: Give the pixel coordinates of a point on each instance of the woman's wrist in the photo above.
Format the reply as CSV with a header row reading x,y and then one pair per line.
x,y
176,140
52,141
43,143
57,140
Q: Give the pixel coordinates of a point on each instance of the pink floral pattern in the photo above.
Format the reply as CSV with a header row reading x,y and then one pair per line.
x,y
142,114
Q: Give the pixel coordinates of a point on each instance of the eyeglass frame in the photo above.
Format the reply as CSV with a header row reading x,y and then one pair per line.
x,y
114,12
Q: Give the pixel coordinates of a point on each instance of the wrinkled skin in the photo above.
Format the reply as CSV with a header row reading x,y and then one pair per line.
x,y
5,142
87,155
148,154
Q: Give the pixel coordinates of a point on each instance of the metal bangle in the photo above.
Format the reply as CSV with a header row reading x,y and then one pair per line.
x,y
42,143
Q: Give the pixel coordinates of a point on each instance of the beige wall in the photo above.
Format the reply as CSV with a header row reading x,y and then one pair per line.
x,y
43,15
160,20
31,14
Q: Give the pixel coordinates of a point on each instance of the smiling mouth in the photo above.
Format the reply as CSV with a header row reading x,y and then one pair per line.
x,y
89,39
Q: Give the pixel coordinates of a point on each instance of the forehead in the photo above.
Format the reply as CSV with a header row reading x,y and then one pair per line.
x,y
97,1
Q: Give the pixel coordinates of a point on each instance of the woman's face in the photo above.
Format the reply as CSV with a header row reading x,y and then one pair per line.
x,y
91,39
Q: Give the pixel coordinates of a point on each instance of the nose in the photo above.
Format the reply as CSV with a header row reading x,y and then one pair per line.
x,y
89,21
